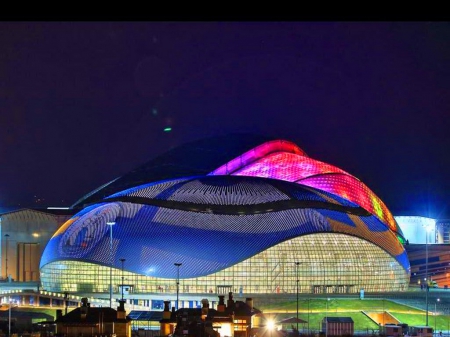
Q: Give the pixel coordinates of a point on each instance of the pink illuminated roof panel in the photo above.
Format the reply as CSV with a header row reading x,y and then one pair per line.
x,y
284,160
286,166
353,190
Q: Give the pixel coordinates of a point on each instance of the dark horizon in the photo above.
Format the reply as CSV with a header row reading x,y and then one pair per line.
x,y
83,103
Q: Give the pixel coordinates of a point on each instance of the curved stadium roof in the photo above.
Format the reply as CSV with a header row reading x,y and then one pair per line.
x,y
192,219
248,155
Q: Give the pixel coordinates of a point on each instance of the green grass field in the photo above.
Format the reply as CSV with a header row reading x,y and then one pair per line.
x,y
314,311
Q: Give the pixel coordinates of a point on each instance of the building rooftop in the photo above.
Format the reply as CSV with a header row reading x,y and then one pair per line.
x,y
339,319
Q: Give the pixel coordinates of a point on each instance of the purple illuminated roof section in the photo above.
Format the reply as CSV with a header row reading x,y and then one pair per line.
x,y
284,160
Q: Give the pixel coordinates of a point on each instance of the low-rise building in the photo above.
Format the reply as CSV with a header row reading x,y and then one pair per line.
x,y
393,330
338,326
90,321
236,318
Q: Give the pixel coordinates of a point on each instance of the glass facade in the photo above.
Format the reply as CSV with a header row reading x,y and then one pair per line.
x,y
328,263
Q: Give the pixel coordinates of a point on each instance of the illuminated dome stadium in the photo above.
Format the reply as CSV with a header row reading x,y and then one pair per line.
x,y
254,224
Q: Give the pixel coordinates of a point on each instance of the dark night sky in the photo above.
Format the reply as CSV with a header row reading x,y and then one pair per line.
x,y
82,103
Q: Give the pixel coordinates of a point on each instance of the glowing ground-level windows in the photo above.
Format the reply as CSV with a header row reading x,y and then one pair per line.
x,y
332,270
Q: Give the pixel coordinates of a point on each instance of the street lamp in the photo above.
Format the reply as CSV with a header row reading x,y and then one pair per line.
x,y
308,314
435,313
6,255
66,301
9,317
428,229
326,320
110,224
296,270
448,321
178,281
122,260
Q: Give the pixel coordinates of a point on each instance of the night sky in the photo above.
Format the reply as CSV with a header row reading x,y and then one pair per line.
x,y
82,103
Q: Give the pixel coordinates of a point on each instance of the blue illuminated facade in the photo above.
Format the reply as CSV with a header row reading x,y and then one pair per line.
x,y
227,231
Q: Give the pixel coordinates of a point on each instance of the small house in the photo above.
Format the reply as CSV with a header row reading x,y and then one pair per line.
x,y
338,326
421,331
393,330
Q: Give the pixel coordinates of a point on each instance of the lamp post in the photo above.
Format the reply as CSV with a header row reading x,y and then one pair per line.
x,y
178,281
435,313
122,260
326,320
66,301
308,315
6,255
426,274
110,224
9,317
296,270
448,322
